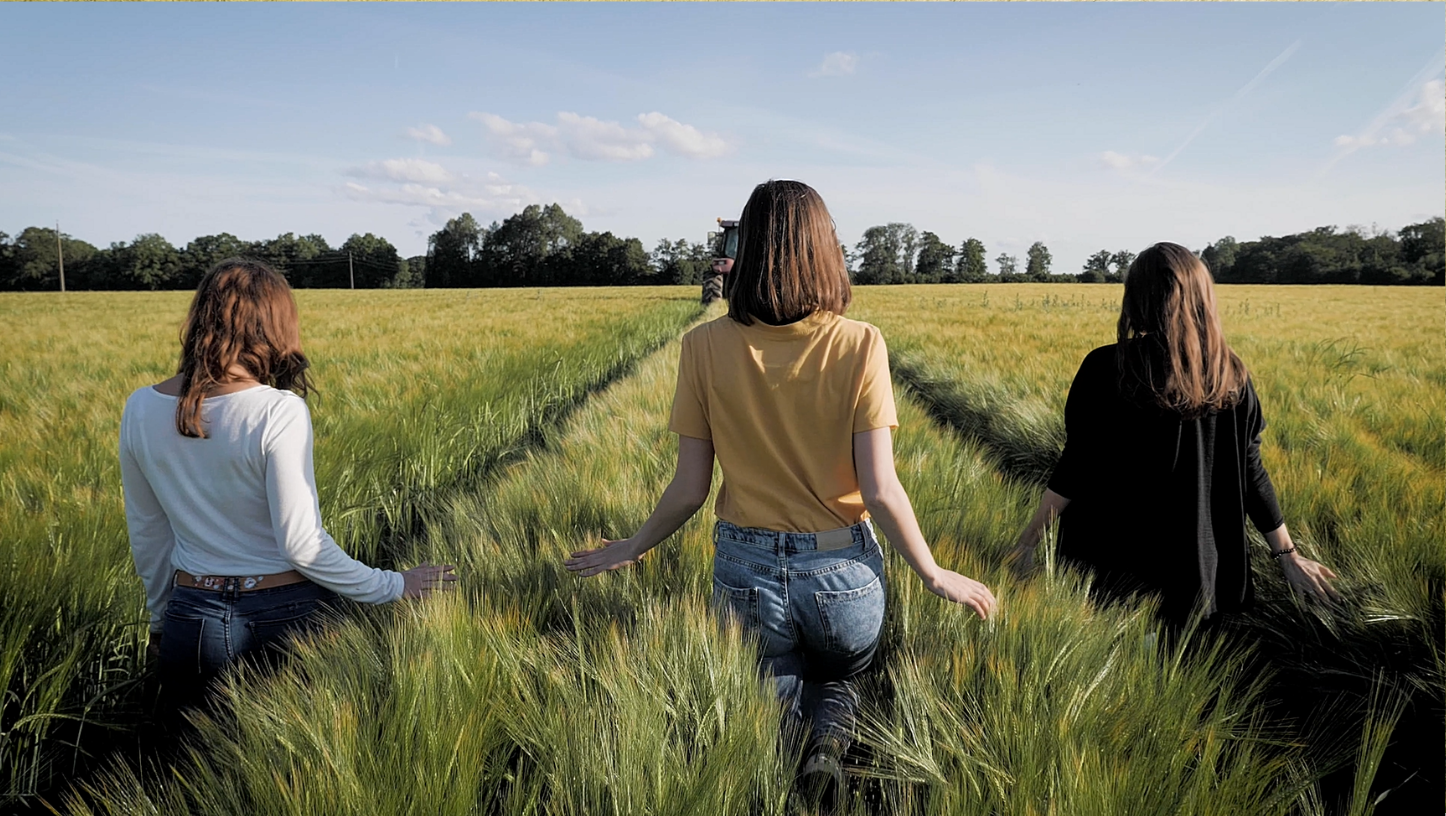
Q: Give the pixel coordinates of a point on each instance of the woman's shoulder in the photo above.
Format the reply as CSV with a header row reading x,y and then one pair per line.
x,y
856,333
1099,360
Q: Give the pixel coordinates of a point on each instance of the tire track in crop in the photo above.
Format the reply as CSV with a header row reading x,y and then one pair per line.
x,y
401,541
1021,440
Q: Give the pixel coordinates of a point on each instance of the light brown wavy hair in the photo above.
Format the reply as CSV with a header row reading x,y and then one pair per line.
x,y
789,262
1171,344
243,315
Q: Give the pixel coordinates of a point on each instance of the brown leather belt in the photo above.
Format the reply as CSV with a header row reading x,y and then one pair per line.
x,y
238,583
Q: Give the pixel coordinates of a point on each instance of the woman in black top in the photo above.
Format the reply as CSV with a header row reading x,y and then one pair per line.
x,y
1161,464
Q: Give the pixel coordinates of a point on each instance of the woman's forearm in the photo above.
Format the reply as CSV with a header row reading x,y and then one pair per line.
x,y
1051,504
1279,541
677,504
894,514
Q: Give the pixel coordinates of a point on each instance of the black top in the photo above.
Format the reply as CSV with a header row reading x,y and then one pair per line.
x,y
1158,501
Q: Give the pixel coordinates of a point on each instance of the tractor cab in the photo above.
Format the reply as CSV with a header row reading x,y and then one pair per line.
x,y
725,249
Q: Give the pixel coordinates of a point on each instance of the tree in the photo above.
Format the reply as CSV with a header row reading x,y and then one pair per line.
x,y
1423,246
1097,268
34,263
1038,261
886,254
603,259
1121,261
149,262
453,253
204,252
298,258
935,260
7,259
412,273
908,247
1219,257
374,262
518,252
971,267
1007,266
679,263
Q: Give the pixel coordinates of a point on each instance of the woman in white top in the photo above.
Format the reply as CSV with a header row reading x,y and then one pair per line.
x,y
221,504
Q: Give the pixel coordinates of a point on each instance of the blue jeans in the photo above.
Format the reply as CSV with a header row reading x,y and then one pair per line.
x,y
817,614
206,630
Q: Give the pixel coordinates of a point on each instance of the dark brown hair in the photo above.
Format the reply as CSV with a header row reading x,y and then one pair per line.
x,y
1170,338
789,262
243,314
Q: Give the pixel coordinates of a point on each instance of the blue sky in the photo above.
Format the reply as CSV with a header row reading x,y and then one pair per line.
x,y
1086,126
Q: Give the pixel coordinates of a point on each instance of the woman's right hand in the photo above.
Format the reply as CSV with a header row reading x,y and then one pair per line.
x,y
960,589
1020,560
421,581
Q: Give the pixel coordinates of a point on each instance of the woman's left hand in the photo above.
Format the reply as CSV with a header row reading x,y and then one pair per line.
x,y
1020,560
1309,578
610,556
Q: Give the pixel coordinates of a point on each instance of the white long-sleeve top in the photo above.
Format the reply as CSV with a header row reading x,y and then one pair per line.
x,y
240,502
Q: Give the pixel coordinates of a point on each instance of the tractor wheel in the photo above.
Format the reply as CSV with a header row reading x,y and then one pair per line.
x,y
712,288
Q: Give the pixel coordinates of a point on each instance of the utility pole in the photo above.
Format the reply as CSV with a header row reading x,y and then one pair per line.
x,y
350,271
60,256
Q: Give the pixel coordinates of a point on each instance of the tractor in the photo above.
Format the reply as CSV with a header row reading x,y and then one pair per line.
x,y
725,248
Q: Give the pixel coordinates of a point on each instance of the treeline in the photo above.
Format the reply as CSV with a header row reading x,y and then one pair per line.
x,y
540,246
29,261
544,246
898,253
1415,255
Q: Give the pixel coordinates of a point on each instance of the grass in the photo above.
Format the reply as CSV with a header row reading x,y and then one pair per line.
x,y
1353,384
532,691
419,393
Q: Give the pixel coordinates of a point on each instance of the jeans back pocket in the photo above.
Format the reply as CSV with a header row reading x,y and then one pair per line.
x,y
851,618
736,603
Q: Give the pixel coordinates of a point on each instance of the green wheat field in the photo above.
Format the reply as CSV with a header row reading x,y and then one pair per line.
x,y
500,429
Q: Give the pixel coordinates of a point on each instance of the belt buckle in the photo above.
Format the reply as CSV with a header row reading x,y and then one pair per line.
x,y
838,539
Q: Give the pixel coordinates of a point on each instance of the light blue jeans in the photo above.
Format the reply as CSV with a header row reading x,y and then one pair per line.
x,y
817,614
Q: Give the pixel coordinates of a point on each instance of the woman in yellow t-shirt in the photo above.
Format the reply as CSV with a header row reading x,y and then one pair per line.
x,y
796,403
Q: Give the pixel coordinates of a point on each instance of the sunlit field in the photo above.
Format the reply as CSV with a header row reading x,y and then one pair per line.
x,y
420,393
465,427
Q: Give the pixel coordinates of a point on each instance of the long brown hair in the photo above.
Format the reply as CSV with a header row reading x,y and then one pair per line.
x,y
1170,339
789,262
243,314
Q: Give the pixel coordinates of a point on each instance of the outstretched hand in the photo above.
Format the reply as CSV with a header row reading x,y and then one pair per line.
x,y
961,589
1310,578
610,556
421,581
1020,561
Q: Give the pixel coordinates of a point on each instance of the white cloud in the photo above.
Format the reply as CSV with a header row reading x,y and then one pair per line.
x,y
684,140
593,139
493,197
837,63
429,133
1123,162
520,141
588,138
414,170
1401,124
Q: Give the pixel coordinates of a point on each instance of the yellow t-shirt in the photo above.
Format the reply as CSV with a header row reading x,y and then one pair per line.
x,y
781,405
